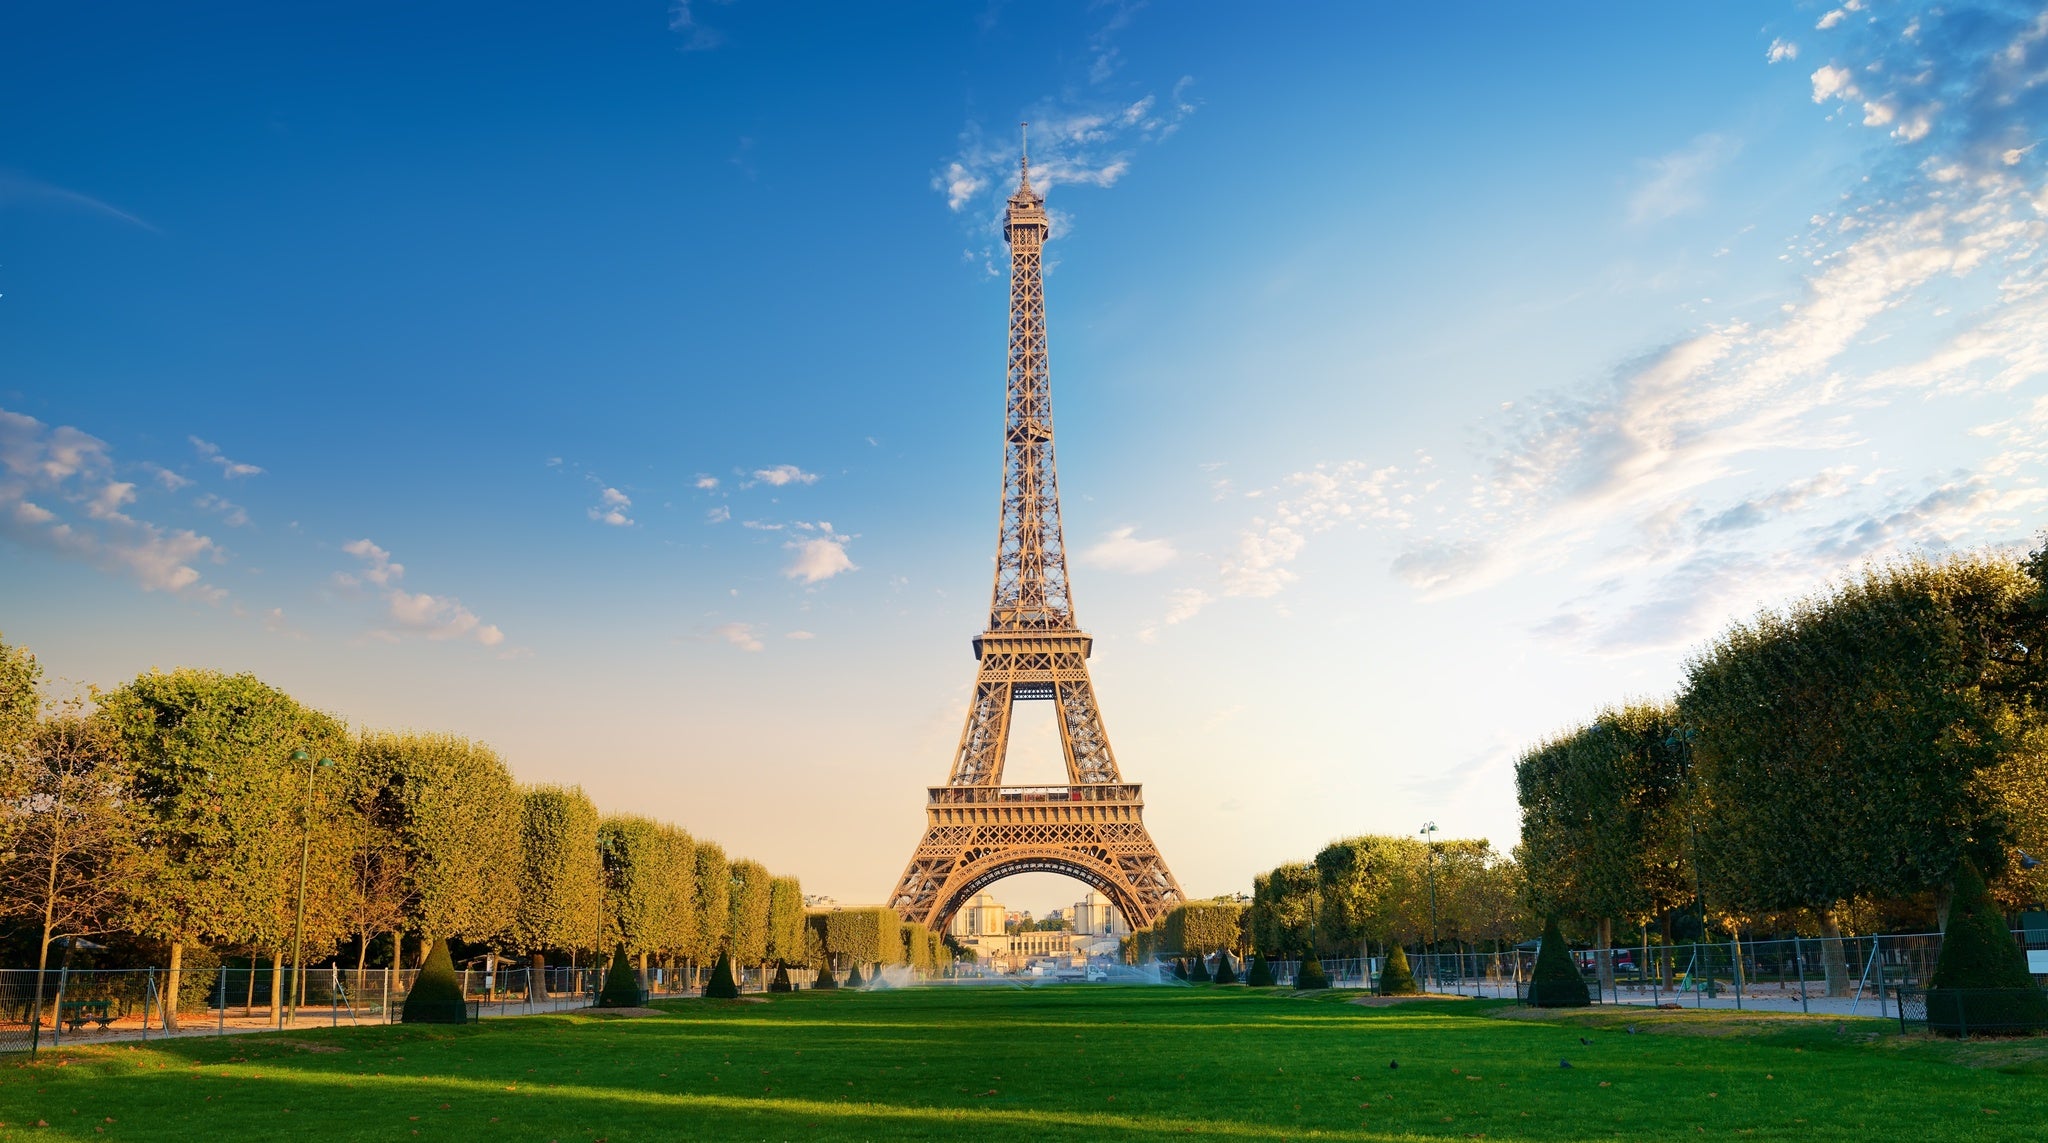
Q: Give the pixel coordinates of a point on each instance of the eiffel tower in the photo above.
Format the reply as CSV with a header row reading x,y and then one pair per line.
x,y
977,830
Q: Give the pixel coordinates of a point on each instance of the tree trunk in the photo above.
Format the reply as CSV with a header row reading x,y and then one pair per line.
x,y
1670,966
643,972
1834,961
174,978
537,984
1603,954
276,986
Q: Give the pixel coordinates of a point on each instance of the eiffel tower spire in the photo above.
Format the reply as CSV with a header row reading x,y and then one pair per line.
x,y
978,830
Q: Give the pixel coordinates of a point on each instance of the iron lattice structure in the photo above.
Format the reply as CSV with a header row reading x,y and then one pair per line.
x,y
977,830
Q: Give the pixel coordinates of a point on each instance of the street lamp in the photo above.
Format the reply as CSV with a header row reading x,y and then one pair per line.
x,y
1429,863
305,848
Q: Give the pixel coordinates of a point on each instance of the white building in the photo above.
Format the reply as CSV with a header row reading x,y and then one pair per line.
x,y
1094,916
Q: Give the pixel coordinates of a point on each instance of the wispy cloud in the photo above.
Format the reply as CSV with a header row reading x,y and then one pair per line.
x,y
433,617
58,495
1710,474
1676,182
232,469
1086,137
20,190
611,508
740,635
1122,551
682,20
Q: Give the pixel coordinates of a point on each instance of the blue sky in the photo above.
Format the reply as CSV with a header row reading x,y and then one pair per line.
x,y
620,383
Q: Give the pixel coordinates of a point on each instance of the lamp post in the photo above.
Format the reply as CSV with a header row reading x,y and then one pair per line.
x,y
1429,863
305,850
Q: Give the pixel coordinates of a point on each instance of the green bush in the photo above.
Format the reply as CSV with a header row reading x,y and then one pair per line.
x,y
1198,969
1261,975
1180,968
853,977
826,982
781,982
1555,982
721,986
1311,974
436,996
1225,973
1396,978
621,983
1981,983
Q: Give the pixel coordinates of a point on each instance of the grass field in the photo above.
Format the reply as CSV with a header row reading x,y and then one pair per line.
x,y
1048,1063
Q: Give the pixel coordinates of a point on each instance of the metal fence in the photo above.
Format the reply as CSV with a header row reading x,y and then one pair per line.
x,y
1964,1012
1850,976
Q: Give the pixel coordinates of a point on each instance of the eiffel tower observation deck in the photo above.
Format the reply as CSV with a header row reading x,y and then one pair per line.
x,y
977,830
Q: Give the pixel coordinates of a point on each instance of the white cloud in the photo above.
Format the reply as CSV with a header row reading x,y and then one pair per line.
x,y
783,474
740,635
718,515
378,567
232,469
438,617
706,482
1121,551
1781,51
820,557
58,495
1830,81
170,480
611,508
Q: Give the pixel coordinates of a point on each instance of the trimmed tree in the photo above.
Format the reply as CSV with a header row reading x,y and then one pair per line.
x,y
1198,969
1981,983
714,902
853,977
1311,975
436,996
1225,973
826,982
781,982
721,986
561,880
1261,975
1555,982
1396,978
621,983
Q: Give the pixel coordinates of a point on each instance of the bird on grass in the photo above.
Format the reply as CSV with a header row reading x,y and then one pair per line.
x,y
1393,1065
1631,1029
1564,1063
1585,1041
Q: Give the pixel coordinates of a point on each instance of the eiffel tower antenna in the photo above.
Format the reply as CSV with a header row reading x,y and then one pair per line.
x,y
977,830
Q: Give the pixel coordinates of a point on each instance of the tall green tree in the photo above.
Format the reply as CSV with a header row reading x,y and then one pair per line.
x,y
1287,903
223,805
1603,835
1843,745
1359,877
676,893
561,882
634,867
714,901
451,811
786,920
747,931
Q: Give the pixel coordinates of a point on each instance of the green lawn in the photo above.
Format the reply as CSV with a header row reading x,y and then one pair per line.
x,y
1048,1063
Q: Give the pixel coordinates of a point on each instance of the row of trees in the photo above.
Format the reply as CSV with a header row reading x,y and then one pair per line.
x,y
868,939
1841,756
194,809
1359,896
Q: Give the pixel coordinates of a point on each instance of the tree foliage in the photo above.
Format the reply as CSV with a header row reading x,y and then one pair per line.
x,y
1602,830
561,878
448,812
634,865
713,879
749,900
786,930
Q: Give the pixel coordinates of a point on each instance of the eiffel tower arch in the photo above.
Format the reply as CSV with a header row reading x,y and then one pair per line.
x,y
977,830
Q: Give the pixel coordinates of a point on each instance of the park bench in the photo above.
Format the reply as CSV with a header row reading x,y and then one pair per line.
x,y
76,1014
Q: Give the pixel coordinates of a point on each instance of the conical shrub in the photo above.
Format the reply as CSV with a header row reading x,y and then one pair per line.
x,y
826,982
1555,982
781,982
1311,974
436,996
1981,984
1261,975
1396,978
853,977
722,986
1225,973
621,983
1198,969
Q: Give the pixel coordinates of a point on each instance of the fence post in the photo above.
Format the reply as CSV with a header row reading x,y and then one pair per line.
x,y
387,994
148,1002
1864,979
1799,958
221,1029
63,977
1735,968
